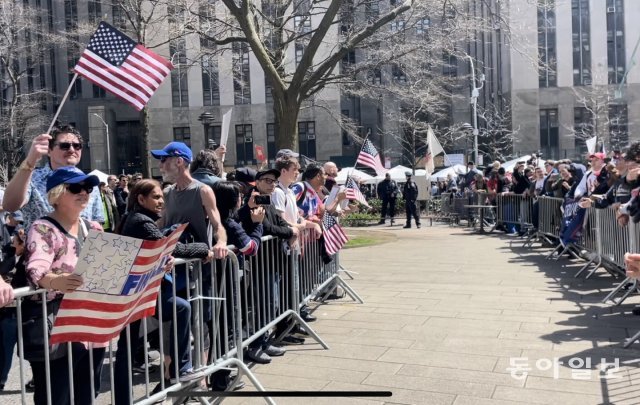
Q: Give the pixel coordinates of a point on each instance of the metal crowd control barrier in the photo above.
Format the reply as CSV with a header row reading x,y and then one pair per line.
x,y
549,218
240,303
515,209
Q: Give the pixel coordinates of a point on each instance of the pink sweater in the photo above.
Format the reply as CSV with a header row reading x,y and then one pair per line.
x,y
51,250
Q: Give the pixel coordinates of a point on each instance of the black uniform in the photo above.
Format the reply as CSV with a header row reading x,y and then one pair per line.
x,y
387,192
410,195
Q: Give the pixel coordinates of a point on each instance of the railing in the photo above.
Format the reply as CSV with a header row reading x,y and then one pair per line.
x,y
233,303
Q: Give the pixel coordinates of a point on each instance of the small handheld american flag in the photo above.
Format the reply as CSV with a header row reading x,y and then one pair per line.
x,y
353,192
116,63
334,236
370,157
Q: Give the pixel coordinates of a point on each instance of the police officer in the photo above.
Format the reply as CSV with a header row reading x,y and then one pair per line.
x,y
388,192
410,195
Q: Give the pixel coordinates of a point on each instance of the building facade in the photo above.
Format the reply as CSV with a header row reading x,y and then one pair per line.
x,y
585,83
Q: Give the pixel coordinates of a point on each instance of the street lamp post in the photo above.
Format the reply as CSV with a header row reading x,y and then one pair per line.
x,y
475,93
206,118
107,142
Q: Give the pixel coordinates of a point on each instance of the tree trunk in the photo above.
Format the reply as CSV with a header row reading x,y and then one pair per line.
x,y
286,114
145,144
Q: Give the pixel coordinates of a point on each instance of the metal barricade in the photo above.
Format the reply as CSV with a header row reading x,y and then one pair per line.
x,y
550,217
515,209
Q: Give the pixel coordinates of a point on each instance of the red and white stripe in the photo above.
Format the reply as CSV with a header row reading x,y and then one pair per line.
x,y
135,81
97,318
353,192
334,236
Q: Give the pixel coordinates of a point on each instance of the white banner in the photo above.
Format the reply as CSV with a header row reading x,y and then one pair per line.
x,y
226,122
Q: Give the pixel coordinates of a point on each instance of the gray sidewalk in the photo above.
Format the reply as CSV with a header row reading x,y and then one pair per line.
x,y
445,312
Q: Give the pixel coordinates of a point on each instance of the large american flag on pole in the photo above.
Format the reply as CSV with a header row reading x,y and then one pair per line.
x,y
334,236
122,277
119,65
353,192
370,157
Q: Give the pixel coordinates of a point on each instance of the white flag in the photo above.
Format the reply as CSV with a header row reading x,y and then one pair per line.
x,y
224,135
591,144
433,149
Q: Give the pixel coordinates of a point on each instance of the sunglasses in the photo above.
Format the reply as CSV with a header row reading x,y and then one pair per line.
x,y
68,145
77,188
165,158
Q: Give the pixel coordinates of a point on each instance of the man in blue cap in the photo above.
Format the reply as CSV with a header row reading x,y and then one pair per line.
x,y
27,189
189,201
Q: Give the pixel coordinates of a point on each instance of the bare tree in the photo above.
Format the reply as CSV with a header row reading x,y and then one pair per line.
x,y
24,41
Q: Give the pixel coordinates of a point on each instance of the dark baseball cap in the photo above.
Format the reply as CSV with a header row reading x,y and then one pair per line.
x,y
174,149
261,173
70,175
246,175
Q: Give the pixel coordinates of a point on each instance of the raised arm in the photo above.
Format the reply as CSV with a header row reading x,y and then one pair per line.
x,y
15,196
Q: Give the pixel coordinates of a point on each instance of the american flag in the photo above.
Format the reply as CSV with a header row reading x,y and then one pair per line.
x,y
116,63
353,192
334,236
370,157
96,313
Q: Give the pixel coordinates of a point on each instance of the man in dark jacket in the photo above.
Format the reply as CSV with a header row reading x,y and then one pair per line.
x,y
206,167
410,195
387,192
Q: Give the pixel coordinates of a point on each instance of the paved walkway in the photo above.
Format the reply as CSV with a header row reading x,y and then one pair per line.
x,y
445,312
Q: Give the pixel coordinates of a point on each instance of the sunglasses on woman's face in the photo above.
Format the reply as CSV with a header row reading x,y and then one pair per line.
x,y
77,188
68,145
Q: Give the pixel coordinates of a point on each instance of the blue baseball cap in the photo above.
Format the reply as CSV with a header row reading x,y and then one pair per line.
x,y
70,175
174,149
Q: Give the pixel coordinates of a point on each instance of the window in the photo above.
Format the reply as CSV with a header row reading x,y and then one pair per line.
x,y
73,50
348,61
179,83
346,17
272,132
241,78
618,126
210,81
422,26
300,48
398,73
98,92
547,43
95,12
582,127
128,147
182,134
307,138
244,145
268,91
372,10
374,76
397,25
549,141
214,133
581,42
302,23
449,64
119,17
615,41
346,141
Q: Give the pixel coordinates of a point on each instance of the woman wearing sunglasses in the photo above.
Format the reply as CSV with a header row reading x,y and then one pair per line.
x,y
53,244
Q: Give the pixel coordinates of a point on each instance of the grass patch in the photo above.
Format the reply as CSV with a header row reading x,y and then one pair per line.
x,y
360,241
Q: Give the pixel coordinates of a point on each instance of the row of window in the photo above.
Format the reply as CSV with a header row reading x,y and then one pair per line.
x,y
244,140
584,128
581,41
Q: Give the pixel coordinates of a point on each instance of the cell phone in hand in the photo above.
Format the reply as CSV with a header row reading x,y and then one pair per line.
x,y
263,199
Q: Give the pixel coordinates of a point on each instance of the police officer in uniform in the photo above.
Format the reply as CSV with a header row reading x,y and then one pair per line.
x,y
410,195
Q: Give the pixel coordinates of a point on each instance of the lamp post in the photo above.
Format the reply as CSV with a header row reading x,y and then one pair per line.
x,y
206,118
107,142
475,93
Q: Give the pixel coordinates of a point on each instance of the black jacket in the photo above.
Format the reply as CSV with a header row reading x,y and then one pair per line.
x,y
141,224
410,191
121,200
273,224
387,189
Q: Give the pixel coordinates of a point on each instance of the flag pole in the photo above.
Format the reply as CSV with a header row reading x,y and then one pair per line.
x,y
66,95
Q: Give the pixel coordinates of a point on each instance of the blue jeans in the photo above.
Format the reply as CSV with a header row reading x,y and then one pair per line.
x,y
183,325
60,393
9,338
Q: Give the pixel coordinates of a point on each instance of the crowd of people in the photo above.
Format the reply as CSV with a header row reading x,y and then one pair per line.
x,y
51,206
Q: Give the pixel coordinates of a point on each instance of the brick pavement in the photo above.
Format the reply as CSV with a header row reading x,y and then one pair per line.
x,y
444,312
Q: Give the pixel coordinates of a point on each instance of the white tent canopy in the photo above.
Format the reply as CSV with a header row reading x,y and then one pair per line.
x,y
454,170
355,173
508,166
101,176
397,173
